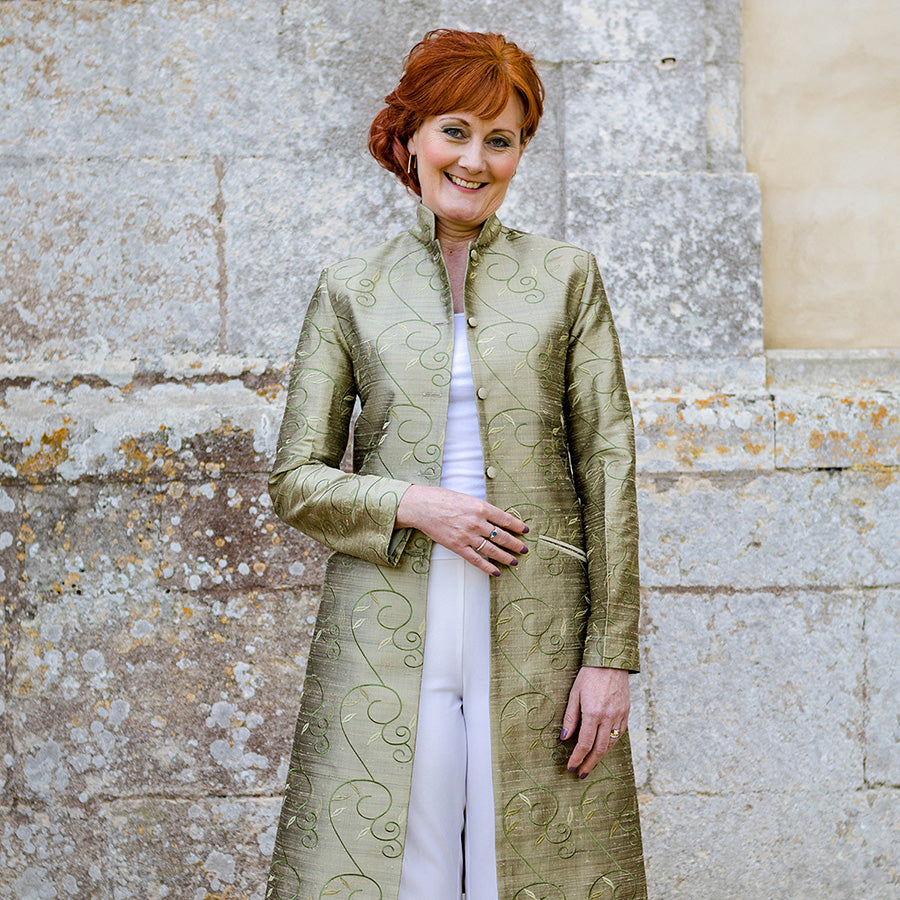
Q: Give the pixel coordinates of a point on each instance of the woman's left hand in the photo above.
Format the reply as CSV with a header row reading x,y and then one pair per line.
x,y
598,709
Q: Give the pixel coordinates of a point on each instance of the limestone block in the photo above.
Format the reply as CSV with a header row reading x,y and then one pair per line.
x,y
218,533
141,848
724,123
836,408
627,116
10,523
107,256
638,728
162,79
157,692
757,845
693,431
142,429
816,431
883,689
340,32
594,30
53,851
756,692
813,529
200,850
723,30
679,256
288,221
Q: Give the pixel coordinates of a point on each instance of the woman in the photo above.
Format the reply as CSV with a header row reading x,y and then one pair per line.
x,y
466,695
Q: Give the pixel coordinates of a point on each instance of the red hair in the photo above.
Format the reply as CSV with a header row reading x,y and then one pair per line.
x,y
454,70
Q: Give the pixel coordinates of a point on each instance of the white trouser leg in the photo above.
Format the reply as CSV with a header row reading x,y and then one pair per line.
x,y
453,726
480,848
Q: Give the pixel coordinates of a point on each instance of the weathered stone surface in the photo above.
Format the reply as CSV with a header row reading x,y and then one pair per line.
x,y
754,692
148,848
883,689
812,529
723,30
687,431
594,30
836,409
680,259
53,851
160,79
200,850
161,430
285,223
207,535
97,256
157,692
806,845
816,431
603,134
724,125
10,521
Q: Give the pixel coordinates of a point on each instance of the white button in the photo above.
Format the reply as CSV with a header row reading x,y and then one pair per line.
x,y
491,472
472,321
482,393
473,255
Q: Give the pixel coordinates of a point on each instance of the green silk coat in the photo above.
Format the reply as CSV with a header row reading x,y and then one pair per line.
x,y
558,445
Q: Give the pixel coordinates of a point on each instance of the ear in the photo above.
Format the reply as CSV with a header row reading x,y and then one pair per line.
x,y
411,144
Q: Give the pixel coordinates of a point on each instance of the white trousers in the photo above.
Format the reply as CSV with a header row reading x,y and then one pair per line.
x,y
451,806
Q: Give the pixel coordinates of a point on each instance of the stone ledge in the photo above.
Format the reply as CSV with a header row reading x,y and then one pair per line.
x,y
835,409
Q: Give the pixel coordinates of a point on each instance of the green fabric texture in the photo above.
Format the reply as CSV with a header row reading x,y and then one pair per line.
x,y
558,444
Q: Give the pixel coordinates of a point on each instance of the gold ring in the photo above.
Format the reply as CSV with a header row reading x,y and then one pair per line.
x,y
483,542
615,733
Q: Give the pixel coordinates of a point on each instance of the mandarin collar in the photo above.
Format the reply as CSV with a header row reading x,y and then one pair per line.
x,y
425,228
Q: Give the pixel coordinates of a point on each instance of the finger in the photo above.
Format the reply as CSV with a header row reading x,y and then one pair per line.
x,y
604,743
477,560
492,551
505,520
570,717
587,737
506,541
598,751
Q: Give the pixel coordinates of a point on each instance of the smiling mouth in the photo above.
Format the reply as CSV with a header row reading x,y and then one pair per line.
x,y
461,182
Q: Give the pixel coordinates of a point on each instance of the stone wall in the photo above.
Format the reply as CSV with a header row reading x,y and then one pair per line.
x,y
172,177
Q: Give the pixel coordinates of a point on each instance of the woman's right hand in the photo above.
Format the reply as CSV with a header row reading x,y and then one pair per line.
x,y
464,524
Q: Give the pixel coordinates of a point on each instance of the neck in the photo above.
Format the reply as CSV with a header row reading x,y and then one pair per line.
x,y
454,237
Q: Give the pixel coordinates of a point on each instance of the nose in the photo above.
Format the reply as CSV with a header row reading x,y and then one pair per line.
x,y
472,158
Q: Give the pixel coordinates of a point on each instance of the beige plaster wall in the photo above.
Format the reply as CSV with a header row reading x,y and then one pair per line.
x,y
822,130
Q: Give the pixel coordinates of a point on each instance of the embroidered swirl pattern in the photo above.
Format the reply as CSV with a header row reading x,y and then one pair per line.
x,y
558,449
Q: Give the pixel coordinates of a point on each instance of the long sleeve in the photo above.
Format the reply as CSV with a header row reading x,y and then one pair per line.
x,y
601,436
350,513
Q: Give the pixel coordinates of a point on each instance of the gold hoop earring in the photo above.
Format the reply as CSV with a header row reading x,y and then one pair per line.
x,y
409,162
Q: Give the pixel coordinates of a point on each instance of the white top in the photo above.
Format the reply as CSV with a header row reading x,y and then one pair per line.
x,y
463,466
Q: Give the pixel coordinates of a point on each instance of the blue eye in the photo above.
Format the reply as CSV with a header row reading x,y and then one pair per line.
x,y
452,131
500,143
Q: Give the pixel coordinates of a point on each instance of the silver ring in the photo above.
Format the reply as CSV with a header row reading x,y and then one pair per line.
x,y
493,534
483,542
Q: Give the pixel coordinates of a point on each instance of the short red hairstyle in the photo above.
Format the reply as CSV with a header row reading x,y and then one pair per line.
x,y
454,70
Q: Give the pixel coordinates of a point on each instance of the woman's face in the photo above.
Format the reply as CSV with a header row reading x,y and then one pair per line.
x,y
465,164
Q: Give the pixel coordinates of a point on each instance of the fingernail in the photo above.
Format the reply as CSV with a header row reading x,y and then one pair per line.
x,y
515,562
573,768
495,572
525,530
583,775
524,549
564,734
